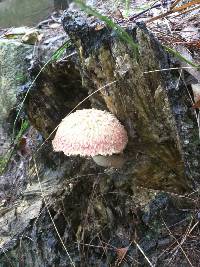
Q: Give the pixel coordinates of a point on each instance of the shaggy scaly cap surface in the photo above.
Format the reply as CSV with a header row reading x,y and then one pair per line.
x,y
196,92
90,132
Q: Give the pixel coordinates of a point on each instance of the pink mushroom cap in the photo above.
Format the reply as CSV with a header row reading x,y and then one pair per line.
x,y
90,132
196,92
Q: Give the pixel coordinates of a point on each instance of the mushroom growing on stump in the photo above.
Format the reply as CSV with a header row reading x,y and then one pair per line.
x,y
94,133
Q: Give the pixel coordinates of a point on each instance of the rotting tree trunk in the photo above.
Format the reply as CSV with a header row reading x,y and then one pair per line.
x,y
162,152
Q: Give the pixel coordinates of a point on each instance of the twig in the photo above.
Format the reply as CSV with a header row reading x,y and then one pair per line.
x,y
144,11
187,11
176,9
175,68
175,3
180,243
141,250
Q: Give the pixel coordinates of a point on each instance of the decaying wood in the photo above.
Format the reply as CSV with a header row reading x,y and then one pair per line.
x,y
99,212
152,106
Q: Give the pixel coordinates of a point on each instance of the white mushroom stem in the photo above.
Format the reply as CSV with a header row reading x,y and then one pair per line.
x,y
115,161
196,91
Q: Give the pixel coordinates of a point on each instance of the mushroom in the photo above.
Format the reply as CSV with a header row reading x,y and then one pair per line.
x,y
94,133
196,94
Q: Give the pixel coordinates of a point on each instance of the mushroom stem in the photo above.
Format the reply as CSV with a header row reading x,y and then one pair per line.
x,y
115,161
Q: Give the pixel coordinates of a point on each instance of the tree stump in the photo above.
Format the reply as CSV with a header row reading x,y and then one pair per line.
x,y
162,152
